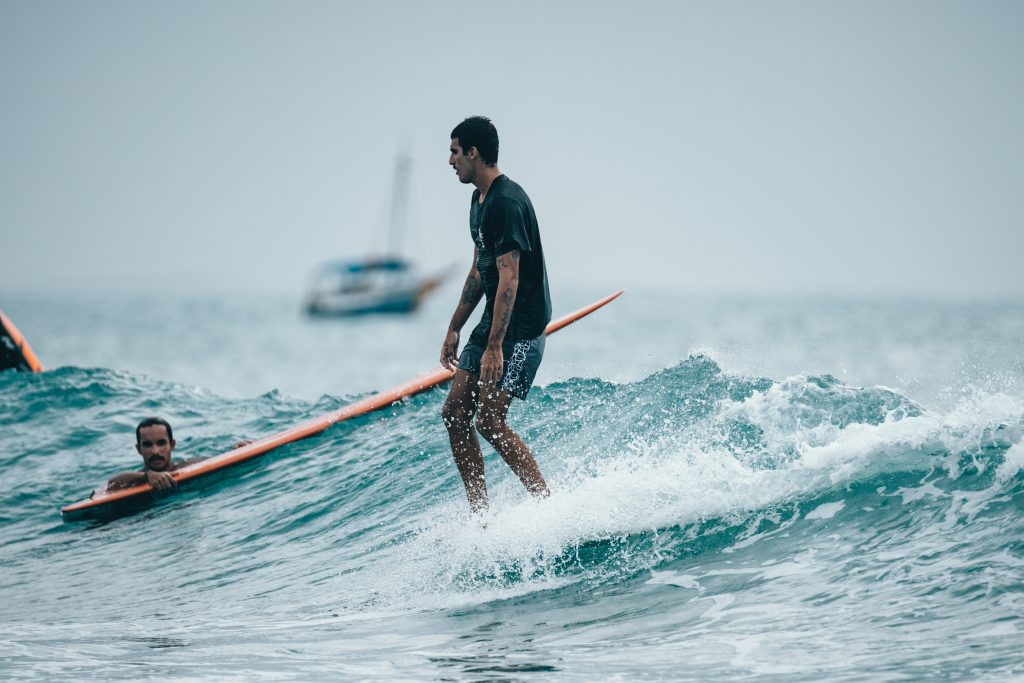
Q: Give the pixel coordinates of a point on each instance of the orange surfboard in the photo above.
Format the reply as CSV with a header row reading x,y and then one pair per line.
x,y
101,503
14,350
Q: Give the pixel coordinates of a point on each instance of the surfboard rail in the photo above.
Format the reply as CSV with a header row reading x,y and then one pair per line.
x,y
95,504
14,349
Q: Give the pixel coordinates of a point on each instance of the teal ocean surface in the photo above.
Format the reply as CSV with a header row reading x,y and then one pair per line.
x,y
743,488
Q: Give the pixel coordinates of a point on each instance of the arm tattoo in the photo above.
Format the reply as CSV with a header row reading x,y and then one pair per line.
x,y
508,259
471,292
508,264
507,297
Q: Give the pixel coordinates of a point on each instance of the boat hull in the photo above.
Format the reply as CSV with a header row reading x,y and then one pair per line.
x,y
392,301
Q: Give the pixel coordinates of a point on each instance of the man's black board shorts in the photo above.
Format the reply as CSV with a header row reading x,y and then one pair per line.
x,y
521,358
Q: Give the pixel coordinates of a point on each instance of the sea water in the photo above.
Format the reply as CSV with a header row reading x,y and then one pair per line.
x,y
742,488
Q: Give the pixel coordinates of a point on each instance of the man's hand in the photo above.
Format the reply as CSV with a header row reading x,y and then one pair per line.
x,y
490,365
449,348
161,481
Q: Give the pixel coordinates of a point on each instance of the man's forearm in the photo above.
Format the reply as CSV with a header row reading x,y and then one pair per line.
x,y
126,480
508,286
472,291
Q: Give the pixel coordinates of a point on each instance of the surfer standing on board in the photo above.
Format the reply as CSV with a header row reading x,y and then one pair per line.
x,y
504,350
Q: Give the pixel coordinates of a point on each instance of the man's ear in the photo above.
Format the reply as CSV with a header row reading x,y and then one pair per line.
x,y
173,444
138,448
473,153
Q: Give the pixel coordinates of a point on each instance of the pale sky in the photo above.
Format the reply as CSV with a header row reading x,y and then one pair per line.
x,y
793,147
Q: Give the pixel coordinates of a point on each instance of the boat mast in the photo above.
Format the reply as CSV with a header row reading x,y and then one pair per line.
x,y
399,205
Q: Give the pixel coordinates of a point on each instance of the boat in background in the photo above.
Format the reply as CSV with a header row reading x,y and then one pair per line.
x,y
384,284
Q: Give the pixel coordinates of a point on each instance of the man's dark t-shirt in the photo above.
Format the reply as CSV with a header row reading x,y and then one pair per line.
x,y
506,221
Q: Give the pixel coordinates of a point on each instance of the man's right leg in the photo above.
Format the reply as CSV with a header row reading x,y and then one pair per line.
x,y
492,424
458,413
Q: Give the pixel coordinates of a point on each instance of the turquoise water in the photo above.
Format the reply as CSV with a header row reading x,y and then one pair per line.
x,y
742,488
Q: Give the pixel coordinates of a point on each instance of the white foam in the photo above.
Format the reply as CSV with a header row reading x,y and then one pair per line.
x,y
673,579
826,510
1013,462
674,481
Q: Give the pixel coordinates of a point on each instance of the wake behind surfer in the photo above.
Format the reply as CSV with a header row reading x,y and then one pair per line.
x,y
504,350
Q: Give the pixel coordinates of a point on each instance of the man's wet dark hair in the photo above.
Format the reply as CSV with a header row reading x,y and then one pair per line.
x,y
479,132
152,422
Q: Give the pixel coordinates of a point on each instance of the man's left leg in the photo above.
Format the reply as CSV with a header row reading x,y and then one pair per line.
x,y
458,413
492,425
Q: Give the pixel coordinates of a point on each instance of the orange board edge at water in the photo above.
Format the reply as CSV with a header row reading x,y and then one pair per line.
x,y
103,503
14,349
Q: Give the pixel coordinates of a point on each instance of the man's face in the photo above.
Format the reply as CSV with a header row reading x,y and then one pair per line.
x,y
462,163
155,447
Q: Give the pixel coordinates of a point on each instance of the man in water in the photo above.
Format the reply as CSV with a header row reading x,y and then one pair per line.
x,y
154,440
504,350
